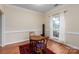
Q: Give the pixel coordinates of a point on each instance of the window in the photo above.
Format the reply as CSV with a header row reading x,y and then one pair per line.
x,y
56,26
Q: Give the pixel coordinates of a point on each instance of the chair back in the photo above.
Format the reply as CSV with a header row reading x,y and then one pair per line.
x,y
31,33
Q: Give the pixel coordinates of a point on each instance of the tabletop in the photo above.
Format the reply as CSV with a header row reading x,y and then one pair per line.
x,y
38,37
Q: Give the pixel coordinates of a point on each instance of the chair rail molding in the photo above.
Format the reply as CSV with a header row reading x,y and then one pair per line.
x,y
17,31
73,33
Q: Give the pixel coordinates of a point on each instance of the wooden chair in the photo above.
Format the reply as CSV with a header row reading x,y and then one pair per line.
x,y
41,46
32,43
31,34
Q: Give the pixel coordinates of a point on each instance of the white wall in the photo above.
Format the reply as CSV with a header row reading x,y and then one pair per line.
x,y
19,22
71,22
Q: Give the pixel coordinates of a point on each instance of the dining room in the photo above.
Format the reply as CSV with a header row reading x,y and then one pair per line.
x,y
39,29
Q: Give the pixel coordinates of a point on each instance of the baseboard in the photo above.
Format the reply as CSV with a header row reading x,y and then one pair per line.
x,y
72,46
75,47
0,45
14,42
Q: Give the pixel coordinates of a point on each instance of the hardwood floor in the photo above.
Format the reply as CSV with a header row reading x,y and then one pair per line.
x,y
52,45
12,48
60,48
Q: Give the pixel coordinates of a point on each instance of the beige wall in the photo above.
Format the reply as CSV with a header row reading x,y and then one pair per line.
x,y
19,19
1,13
0,29
71,22
19,22
72,18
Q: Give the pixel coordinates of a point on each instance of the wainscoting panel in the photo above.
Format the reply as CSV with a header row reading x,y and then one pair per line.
x,y
72,38
18,36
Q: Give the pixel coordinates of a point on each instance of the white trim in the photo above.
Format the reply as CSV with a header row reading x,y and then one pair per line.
x,y
56,38
61,28
14,42
3,29
19,31
75,47
74,33
72,46
0,29
51,28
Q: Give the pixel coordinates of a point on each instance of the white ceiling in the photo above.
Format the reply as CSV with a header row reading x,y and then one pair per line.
x,y
38,7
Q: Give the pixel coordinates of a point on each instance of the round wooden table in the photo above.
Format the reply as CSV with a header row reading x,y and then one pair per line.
x,y
38,43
